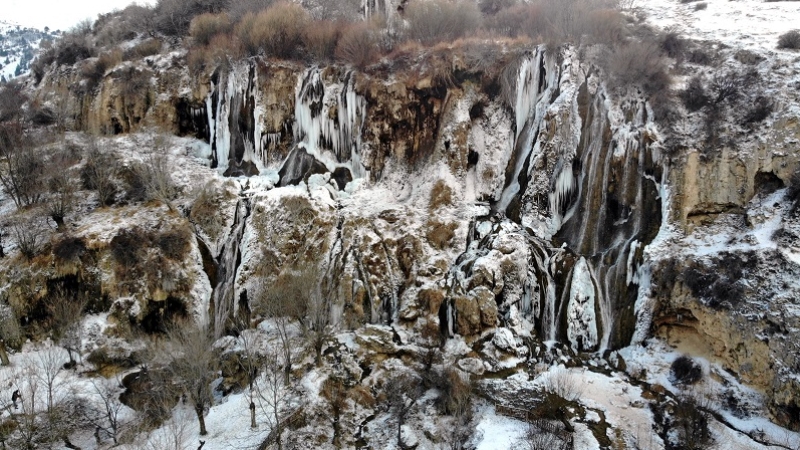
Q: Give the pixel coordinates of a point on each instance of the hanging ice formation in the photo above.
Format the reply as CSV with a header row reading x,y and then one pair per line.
x,y
224,305
234,124
603,206
327,129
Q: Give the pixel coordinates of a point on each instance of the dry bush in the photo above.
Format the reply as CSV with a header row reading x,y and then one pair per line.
x,y
441,195
237,9
93,72
144,49
204,211
21,165
639,64
520,20
30,235
684,370
562,383
690,420
150,180
172,17
321,38
223,49
174,244
759,110
206,26
69,249
276,31
491,7
790,40
694,96
455,390
12,97
129,246
440,234
435,21
98,173
358,45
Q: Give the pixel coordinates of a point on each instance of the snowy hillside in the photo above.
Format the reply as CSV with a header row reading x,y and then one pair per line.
x,y
18,48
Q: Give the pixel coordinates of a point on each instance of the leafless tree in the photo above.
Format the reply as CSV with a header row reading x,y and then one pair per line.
x,y
49,362
402,392
99,171
106,412
283,302
21,165
274,396
250,363
9,331
193,367
62,196
29,232
65,311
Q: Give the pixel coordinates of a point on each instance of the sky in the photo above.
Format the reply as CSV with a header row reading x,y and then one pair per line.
x,y
58,14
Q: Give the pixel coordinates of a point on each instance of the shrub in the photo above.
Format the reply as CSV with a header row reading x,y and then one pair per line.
x,y
455,391
440,234
684,370
490,7
441,20
358,45
94,72
759,110
129,246
561,383
69,248
98,174
174,244
748,57
320,40
441,195
237,9
277,31
694,96
144,49
673,44
172,17
519,20
700,6
29,235
639,64
206,26
790,40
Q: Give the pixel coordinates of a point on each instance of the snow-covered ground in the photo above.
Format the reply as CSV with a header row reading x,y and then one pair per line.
x,y
754,24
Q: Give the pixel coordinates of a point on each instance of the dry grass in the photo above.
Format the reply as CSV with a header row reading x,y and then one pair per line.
x,y
321,38
440,234
441,195
277,31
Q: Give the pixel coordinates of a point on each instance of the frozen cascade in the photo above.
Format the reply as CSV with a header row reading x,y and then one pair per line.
x,y
329,120
224,305
534,85
581,322
234,122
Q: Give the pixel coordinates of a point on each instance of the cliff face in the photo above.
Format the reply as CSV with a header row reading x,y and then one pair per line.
x,y
532,198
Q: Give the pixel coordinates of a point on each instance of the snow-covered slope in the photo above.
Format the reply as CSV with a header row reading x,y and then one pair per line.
x,y
18,47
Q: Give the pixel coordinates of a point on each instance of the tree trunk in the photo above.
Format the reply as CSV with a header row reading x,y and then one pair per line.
x,y
253,424
4,354
201,420
59,220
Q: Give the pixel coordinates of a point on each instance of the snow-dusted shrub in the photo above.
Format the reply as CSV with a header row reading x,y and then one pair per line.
x,y
172,17
639,63
455,390
98,173
673,44
790,40
434,21
518,20
358,45
758,110
700,6
277,31
544,435
240,8
129,246
441,195
144,49
562,383
684,370
205,26
694,96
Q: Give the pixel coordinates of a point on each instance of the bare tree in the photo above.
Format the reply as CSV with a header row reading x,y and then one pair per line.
x,y
29,233
21,165
283,302
65,311
193,367
9,331
49,363
106,414
273,395
98,172
402,392
63,194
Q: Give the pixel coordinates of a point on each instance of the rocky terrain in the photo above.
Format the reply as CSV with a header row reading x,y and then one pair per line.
x,y
478,243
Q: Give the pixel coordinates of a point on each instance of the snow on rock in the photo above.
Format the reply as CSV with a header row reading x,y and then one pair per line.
x,y
581,317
